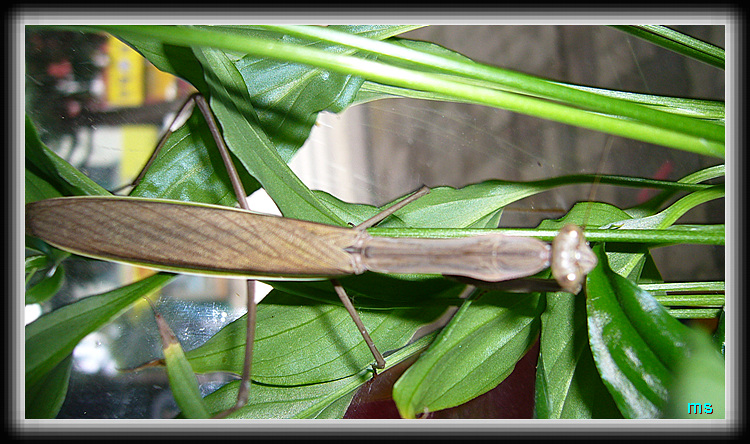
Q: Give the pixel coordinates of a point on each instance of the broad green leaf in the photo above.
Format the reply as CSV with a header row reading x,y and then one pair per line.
x,y
289,96
301,341
174,59
480,205
318,400
297,402
189,168
634,341
476,351
336,409
53,336
474,206
568,385
699,382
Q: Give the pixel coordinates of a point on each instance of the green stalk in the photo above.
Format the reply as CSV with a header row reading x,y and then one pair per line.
x,y
677,42
458,87
694,234
510,80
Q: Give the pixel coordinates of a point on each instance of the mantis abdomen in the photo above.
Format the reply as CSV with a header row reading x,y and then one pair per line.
x,y
491,257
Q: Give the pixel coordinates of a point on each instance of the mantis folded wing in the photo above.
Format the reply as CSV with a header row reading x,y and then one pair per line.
x,y
215,240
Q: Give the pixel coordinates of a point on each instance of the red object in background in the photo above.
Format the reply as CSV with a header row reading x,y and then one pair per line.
x,y
60,70
512,399
73,108
664,171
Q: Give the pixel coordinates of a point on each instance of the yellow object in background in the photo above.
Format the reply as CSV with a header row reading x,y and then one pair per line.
x,y
160,86
125,75
138,143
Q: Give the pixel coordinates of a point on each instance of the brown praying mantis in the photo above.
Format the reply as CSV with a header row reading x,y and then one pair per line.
x,y
215,240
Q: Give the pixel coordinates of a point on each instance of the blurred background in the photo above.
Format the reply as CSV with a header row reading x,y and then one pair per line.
x,y
102,107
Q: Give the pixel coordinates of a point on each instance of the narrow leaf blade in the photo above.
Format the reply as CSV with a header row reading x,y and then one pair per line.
x,y
182,380
45,397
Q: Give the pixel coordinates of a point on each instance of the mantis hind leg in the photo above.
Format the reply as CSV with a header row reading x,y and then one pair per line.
x,y
380,362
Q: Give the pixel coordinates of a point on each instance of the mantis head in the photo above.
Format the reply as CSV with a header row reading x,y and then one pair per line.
x,y
572,258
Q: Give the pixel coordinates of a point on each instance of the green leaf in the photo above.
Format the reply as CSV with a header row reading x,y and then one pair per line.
x,y
678,42
568,385
699,382
634,341
324,400
55,172
36,188
266,109
182,380
301,341
480,205
189,168
289,96
173,59
719,334
475,352
473,206
41,290
53,336
244,136
45,396
318,400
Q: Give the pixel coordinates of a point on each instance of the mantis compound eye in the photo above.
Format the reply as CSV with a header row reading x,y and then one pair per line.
x,y
572,258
